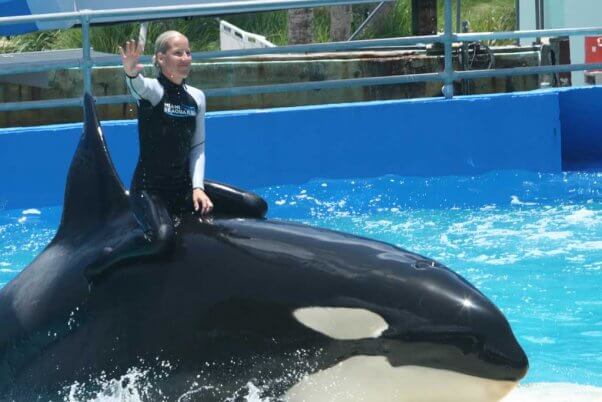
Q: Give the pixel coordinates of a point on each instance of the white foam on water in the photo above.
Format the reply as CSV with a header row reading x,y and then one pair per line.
x,y
590,303
551,235
480,258
583,216
587,245
32,211
503,232
555,392
194,393
8,271
503,260
597,266
514,200
546,253
544,340
495,260
444,239
137,386
254,395
577,258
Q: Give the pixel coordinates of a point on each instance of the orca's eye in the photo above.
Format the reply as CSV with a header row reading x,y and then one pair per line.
x,y
342,323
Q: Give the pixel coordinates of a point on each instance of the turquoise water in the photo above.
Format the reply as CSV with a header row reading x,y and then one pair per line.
x,y
531,242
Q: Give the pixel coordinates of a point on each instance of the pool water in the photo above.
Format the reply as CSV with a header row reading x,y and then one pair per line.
x,y
531,242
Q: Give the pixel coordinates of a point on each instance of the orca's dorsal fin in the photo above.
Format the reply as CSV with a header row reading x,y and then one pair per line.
x,y
93,193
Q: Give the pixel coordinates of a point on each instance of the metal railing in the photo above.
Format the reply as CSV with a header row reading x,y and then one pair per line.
x,y
447,38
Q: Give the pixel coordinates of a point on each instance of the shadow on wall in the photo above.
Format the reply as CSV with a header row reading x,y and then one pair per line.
x,y
581,124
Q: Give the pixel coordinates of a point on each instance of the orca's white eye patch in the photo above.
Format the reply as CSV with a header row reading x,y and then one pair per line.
x,y
342,323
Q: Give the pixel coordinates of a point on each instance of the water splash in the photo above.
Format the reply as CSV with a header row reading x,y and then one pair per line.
x,y
217,381
555,392
135,386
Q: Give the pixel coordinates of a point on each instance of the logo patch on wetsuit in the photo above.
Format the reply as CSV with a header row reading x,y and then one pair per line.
x,y
179,110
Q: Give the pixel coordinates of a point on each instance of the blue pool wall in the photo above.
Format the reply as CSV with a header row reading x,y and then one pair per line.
x,y
256,148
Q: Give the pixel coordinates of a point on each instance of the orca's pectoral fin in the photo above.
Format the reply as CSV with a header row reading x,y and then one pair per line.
x,y
130,244
153,234
229,200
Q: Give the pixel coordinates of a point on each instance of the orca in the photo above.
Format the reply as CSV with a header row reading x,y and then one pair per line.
x,y
240,299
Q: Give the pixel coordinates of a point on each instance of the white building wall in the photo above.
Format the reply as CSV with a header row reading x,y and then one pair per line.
x,y
526,18
232,37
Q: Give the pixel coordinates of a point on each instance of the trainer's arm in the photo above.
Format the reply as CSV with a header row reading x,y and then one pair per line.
x,y
138,86
197,161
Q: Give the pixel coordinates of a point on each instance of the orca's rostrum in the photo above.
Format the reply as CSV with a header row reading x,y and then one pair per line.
x,y
375,322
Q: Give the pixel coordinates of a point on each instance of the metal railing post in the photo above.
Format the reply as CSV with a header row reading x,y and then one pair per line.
x,y
87,58
448,87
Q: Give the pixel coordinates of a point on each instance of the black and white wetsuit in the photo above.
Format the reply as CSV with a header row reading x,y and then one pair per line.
x,y
171,130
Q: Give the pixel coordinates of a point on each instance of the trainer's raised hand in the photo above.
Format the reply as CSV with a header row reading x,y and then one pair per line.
x,y
130,57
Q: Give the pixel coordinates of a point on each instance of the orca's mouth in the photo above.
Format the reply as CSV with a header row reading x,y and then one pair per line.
x,y
515,361
372,378
459,350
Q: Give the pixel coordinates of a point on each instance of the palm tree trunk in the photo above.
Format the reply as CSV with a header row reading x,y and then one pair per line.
x,y
340,23
300,26
424,17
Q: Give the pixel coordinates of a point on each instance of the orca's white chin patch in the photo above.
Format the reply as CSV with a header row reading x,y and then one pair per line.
x,y
373,379
342,323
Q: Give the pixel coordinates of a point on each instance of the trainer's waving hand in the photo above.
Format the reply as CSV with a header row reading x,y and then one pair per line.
x,y
130,58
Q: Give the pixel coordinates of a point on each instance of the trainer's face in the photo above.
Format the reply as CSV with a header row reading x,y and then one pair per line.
x,y
176,61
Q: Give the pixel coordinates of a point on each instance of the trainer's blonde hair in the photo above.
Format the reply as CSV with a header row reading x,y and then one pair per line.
x,y
162,44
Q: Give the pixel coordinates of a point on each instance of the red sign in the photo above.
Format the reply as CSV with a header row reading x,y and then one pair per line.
x,y
593,49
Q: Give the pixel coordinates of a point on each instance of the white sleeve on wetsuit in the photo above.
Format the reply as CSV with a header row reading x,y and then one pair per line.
x,y
144,88
197,147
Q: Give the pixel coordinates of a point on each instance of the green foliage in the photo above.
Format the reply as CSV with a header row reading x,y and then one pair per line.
x,y
499,19
395,24
321,24
484,15
201,31
272,25
30,42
